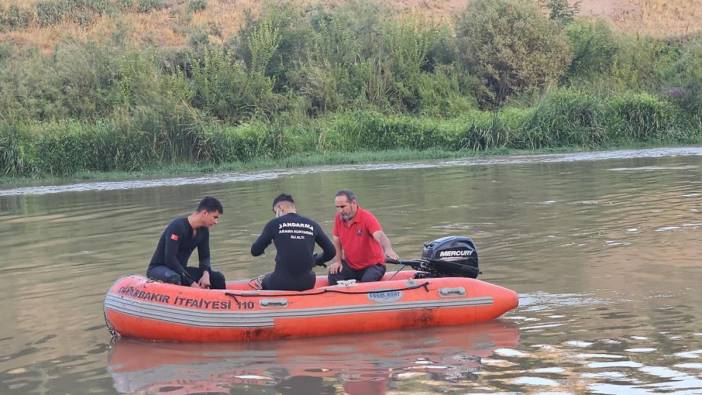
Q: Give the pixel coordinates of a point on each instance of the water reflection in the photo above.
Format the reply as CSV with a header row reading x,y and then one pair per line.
x,y
361,364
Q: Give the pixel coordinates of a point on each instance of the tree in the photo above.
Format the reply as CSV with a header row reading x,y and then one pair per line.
x,y
512,47
562,11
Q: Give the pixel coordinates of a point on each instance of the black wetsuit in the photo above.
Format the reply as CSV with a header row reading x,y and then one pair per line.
x,y
170,260
294,237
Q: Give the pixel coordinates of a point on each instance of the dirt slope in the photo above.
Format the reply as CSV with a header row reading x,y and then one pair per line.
x,y
221,18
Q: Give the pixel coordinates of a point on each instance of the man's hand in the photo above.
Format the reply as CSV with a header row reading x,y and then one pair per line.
x,y
204,280
335,267
195,285
390,253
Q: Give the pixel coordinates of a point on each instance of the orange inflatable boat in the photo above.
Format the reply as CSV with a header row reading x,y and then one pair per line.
x,y
137,307
141,308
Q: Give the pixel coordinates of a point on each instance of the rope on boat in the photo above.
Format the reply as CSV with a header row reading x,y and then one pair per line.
x,y
395,274
424,285
110,329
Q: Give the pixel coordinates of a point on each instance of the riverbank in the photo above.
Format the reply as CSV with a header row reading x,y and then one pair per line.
x,y
297,85
306,163
562,118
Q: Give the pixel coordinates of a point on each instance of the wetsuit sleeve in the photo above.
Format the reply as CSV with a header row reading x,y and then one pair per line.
x,y
264,240
328,250
203,252
174,235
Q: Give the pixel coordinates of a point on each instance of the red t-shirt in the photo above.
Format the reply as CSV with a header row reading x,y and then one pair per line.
x,y
360,248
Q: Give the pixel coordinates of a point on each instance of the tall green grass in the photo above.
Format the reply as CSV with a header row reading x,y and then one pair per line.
x,y
562,118
299,80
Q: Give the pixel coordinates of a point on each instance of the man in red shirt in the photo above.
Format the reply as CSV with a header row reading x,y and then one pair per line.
x,y
361,245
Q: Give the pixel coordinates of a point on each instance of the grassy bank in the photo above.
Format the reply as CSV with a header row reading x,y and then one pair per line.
x,y
325,82
299,161
564,118
294,161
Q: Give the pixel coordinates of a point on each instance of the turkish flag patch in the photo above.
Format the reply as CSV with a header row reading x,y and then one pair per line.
x,y
174,237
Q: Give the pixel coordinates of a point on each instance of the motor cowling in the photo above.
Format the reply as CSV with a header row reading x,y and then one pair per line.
x,y
451,256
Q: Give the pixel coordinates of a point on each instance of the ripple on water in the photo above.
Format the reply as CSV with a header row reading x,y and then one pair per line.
x,y
661,371
578,343
689,354
555,344
614,364
510,353
619,376
599,356
680,384
615,389
554,370
689,366
535,381
540,301
500,363
544,326
640,350
667,228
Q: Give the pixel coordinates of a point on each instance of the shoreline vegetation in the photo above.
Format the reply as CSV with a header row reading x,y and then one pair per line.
x,y
313,84
303,161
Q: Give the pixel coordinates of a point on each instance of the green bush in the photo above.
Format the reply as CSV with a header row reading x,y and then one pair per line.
x,y
498,129
232,143
83,12
274,43
594,47
641,63
197,5
145,6
511,46
15,156
445,92
255,140
640,117
225,88
564,118
15,18
350,55
6,52
372,131
29,91
60,149
50,12
562,11
684,79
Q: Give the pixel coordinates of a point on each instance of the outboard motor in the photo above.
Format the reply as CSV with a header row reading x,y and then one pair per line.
x,y
451,256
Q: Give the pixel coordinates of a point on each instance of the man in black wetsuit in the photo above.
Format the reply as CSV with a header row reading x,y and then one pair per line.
x,y
170,261
294,237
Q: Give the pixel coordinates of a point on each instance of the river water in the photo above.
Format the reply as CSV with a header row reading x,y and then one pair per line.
x,y
603,248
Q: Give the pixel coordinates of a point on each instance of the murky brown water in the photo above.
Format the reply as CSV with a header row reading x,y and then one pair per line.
x,y
604,250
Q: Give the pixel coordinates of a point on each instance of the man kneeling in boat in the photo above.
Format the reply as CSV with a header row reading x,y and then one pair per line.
x,y
180,238
294,237
360,242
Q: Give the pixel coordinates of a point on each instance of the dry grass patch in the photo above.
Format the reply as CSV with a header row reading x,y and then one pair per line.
x,y
172,25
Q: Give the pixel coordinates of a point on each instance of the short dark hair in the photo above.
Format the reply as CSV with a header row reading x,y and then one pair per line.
x,y
210,204
283,197
350,196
